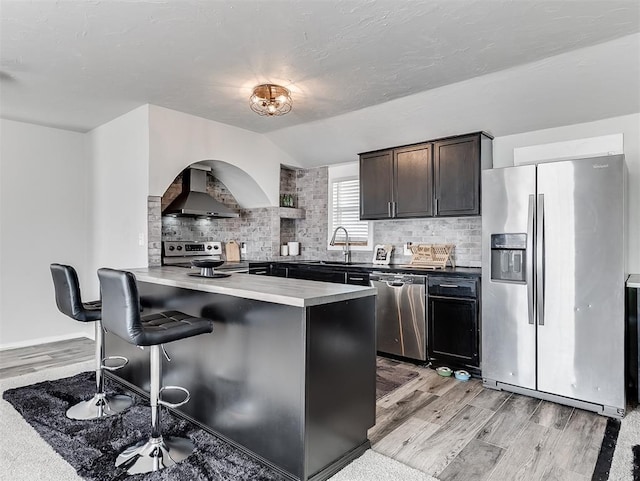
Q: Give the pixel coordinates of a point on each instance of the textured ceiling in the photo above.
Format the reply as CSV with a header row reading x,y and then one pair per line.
x,y
79,64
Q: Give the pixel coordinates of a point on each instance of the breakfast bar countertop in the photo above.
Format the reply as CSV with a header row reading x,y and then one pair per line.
x,y
291,292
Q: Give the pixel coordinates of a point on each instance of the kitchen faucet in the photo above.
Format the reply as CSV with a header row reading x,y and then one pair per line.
x,y
346,252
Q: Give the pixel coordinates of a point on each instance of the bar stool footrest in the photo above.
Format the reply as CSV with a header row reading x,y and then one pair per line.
x,y
124,362
173,388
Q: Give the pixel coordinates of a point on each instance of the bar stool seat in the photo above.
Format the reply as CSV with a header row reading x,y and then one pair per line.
x,y
121,316
68,300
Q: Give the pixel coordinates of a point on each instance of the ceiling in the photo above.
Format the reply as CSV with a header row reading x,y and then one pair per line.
x,y
79,64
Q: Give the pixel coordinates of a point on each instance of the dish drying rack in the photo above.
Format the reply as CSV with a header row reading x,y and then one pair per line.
x,y
432,256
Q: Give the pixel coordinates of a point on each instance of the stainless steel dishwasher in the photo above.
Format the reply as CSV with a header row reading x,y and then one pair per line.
x,y
401,314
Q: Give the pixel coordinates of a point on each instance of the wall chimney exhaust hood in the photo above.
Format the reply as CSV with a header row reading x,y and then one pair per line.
x,y
194,201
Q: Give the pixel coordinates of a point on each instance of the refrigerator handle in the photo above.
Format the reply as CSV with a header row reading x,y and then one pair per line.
x,y
540,259
529,259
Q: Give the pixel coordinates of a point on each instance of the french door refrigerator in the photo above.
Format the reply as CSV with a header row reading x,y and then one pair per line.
x,y
553,276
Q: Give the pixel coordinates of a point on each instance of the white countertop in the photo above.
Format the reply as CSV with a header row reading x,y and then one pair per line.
x,y
279,290
634,281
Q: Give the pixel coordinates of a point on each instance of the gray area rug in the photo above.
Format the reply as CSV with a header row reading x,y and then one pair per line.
x,y
91,447
626,457
390,375
25,455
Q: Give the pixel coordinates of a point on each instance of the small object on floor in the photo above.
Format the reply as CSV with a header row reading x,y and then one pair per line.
x,y
462,375
444,371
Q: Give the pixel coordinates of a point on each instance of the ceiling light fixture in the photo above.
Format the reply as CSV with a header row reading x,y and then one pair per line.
x,y
270,99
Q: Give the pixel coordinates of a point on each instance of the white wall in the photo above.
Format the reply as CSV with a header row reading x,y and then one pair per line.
x,y
44,218
629,126
177,140
120,180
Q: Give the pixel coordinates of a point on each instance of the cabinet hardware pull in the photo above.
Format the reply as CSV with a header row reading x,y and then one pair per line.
x,y
448,285
436,209
395,209
389,213
356,278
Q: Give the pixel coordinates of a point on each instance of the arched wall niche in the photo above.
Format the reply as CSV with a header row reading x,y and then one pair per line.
x,y
243,159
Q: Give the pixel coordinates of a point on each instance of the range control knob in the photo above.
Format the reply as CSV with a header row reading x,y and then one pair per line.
x,y
209,248
171,248
179,248
216,247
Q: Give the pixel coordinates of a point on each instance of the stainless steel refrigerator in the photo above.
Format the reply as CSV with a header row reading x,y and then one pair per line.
x,y
553,271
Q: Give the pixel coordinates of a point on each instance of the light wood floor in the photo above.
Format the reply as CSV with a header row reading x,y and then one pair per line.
x,y
456,430
24,360
449,429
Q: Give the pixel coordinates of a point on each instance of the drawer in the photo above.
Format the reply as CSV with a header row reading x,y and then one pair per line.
x,y
453,287
358,278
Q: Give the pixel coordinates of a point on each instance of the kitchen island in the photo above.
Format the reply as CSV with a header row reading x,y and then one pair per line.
x,y
288,374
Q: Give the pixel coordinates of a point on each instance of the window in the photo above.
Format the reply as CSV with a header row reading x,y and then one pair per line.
x,y
344,210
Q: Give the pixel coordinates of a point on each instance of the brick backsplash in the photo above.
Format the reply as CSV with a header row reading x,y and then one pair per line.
x,y
263,230
287,181
154,231
313,194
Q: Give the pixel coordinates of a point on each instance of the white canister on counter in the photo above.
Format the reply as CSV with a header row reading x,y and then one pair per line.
x,y
284,250
294,248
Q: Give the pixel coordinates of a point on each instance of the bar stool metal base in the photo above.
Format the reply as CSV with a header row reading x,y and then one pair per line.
x,y
154,454
99,406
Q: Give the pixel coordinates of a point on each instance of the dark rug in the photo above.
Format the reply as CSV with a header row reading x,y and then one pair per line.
x,y
91,447
605,456
390,375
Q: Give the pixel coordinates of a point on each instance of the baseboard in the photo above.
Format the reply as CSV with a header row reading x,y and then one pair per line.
x,y
43,340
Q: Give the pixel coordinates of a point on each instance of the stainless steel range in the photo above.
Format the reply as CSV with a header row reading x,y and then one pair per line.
x,y
182,253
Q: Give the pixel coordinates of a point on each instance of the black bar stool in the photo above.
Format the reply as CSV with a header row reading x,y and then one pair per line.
x,y
68,300
121,316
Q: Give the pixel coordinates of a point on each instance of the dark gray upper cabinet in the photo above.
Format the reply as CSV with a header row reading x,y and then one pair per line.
x,y
396,183
457,165
435,178
413,174
376,184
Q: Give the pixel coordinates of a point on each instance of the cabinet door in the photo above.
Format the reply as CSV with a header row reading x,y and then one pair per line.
x,y
315,274
413,181
260,269
457,176
453,330
376,172
279,271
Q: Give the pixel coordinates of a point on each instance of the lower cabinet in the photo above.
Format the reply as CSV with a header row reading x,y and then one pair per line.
x,y
453,330
358,278
315,274
278,270
452,318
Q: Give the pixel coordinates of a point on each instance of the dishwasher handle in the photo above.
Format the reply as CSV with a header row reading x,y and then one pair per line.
x,y
397,280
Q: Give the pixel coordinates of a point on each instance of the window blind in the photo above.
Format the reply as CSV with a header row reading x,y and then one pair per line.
x,y
345,212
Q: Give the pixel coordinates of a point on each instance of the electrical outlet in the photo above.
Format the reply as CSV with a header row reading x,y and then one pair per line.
x,y
141,239
407,249
243,248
